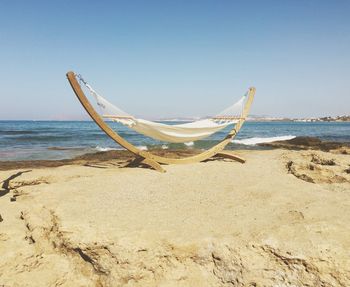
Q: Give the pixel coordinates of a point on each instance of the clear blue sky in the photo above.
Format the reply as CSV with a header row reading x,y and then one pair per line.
x,y
175,58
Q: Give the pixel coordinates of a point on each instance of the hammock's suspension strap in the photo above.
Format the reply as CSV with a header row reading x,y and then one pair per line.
x,y
233,112
108,110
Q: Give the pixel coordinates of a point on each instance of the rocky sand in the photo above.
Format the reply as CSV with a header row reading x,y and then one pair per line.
x,y
280,219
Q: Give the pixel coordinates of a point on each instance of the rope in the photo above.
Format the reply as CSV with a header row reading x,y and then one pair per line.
x,y
228,115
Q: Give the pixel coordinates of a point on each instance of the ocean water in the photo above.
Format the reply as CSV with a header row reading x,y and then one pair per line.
x,y
31,140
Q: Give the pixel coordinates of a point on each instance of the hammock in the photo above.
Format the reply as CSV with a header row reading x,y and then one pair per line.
x,y
179,133
173,133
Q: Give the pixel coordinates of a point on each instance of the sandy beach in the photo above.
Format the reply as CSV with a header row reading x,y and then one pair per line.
x,y
280,219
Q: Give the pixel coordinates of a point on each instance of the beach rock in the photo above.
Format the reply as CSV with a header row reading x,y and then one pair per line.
x,y
319,167
137,261
91,159
210,262
299,172
322,161
300,143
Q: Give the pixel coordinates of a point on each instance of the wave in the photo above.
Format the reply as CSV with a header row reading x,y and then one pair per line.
x,y
32,138
189,143
143,147
102,148
18,132
64,148
255,141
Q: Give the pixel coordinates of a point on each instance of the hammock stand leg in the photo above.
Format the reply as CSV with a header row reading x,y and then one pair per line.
x,y
230,155
148,158
145,161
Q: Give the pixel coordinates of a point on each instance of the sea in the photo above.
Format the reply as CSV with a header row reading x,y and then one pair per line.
x,y
52,140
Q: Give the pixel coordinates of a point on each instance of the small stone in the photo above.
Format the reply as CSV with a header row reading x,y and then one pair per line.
x,y
13,198
311,167
1,219
318,160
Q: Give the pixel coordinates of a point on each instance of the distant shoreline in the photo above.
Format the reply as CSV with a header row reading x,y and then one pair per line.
x,y
189,120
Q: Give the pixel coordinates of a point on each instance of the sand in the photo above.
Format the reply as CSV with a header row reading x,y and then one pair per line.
x,y
281,219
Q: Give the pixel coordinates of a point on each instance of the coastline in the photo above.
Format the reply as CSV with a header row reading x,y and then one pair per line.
x,y
125,158
66,140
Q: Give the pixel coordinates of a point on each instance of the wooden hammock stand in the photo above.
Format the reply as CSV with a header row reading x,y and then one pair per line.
x,y
153,160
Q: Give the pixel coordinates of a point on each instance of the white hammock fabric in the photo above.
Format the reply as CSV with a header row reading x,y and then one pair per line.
x,y
179,133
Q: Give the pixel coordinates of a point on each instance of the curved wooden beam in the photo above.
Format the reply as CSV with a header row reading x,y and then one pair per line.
x,y
152,159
